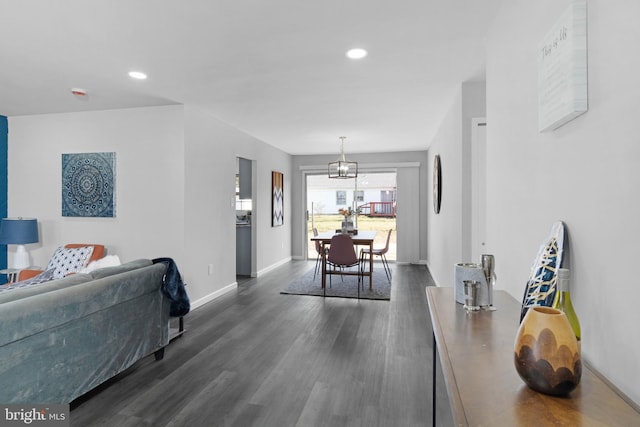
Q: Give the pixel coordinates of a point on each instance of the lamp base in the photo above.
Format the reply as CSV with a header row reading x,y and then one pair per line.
x,y
21,258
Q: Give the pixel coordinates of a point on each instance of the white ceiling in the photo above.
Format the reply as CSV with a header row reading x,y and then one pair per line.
x,y
275,69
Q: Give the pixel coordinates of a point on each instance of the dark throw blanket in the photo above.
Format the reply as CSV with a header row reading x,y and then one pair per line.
x,y
173,288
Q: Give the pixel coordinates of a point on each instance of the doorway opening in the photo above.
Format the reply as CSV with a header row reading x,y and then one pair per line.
x,y
245,231
372,195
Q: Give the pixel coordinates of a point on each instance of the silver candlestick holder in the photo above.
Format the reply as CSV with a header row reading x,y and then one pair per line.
x,y
488,267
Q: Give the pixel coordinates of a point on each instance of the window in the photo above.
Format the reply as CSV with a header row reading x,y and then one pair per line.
x,y
243,204
358,196
341,198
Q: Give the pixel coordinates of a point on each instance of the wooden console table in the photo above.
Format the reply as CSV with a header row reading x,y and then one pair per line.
x,y
483,387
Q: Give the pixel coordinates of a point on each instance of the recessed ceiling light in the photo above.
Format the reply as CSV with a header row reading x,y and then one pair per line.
x,y
137,75
356,53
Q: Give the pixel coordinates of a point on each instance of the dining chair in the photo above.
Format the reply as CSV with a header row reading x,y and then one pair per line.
x,y
342,254
319,252
382,253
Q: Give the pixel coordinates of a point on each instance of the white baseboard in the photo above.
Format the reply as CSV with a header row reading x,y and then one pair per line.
x,y
432,274
217,294
272,266
233,286
419,262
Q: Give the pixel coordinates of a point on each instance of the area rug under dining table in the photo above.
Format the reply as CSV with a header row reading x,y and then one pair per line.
x,y
341,286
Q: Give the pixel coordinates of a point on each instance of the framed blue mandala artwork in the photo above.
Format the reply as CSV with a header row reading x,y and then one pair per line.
x,y
88,185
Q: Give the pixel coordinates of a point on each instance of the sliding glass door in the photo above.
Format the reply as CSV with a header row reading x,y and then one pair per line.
x,y
373,195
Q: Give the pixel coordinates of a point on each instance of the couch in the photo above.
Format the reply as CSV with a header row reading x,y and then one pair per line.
x,y
62,338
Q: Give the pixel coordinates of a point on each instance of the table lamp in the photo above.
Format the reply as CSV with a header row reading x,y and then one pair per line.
x,y
19,231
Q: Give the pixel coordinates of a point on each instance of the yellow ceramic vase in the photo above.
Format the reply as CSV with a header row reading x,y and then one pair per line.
x,y
547,353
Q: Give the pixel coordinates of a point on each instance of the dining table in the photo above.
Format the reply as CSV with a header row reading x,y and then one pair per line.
x,y
361,238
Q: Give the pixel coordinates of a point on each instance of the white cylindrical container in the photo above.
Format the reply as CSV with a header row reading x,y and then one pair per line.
x,y
470,271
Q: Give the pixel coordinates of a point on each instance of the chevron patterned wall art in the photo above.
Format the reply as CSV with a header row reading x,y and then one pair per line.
x,y
277,191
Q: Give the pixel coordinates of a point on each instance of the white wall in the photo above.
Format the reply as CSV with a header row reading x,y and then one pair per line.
x,y
409,215
211,149
214,146
474,105
149,179
450,231
585,173
175,181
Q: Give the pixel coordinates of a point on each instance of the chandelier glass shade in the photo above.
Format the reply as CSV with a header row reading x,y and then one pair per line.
x,y
342,168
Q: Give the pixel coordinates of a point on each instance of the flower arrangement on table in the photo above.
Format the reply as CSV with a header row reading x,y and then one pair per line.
x,y
347,213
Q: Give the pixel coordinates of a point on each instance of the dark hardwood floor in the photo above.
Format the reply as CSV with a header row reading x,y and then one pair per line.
x,y
255,357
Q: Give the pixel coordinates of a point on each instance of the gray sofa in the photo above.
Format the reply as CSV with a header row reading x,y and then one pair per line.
x,y
62,338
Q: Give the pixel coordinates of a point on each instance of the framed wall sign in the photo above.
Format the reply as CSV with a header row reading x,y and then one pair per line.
x,y
277,191
562,69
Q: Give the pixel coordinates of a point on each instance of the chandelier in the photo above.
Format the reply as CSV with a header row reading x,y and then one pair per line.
x,y
342,168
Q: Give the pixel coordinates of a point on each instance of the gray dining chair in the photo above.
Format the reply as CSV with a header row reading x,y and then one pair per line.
x,y
319,254
341,255
382,253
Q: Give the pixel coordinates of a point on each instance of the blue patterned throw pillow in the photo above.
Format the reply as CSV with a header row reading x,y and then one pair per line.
x,y
43,277
69,260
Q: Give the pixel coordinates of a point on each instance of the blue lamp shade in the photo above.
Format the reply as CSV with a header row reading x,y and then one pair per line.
x,y
18,231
